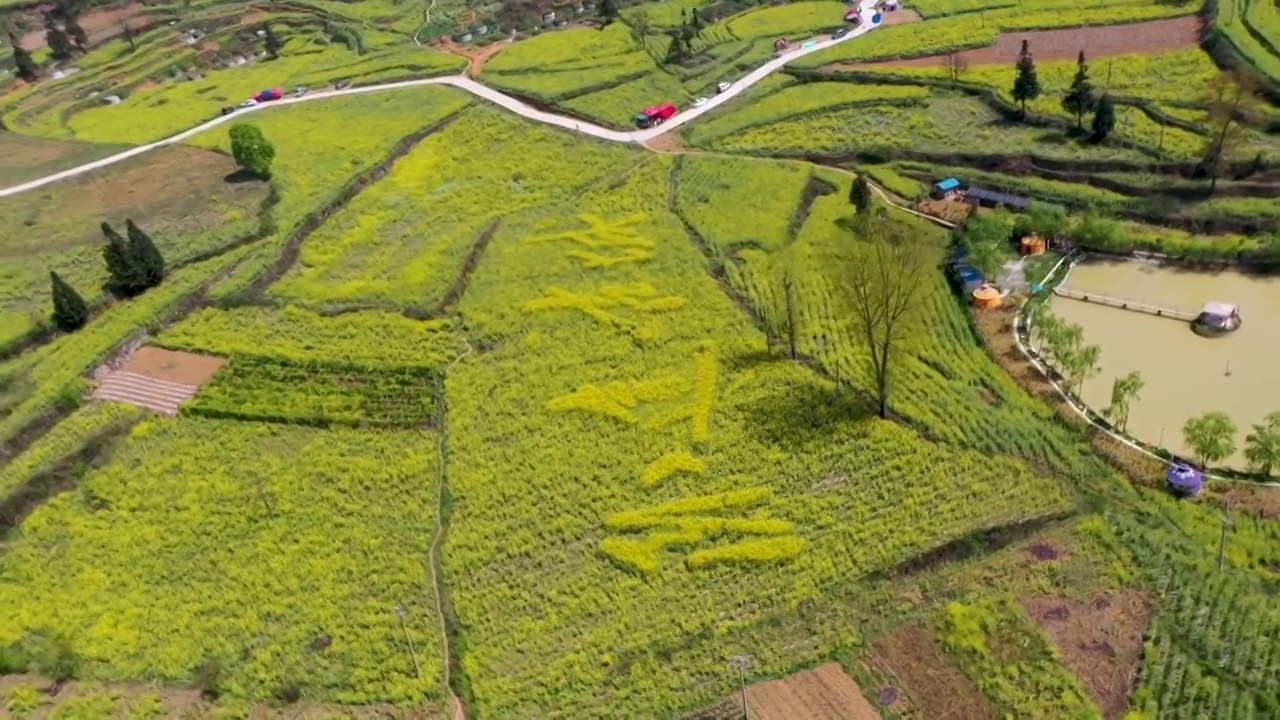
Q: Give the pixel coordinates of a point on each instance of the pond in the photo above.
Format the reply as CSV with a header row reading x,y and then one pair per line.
x,y
1185,374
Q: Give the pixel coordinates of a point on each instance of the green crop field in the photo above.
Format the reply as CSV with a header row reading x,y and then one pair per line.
x,y
517,422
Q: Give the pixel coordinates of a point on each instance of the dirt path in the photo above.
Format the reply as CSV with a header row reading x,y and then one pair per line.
x,y
1066,43
476,56
456,709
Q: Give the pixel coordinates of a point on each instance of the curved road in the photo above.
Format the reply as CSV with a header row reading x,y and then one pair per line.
x,y
497,98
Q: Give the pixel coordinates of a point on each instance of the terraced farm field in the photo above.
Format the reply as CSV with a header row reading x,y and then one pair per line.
x,y
507,420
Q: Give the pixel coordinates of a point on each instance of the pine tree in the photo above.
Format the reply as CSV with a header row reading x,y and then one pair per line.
x,y
860,194
69,309
1104,117
126,277
144,251
1081,99
1026,86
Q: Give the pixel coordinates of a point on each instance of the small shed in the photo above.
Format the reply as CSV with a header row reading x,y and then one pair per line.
x,y
945,189
985,297
1185,480
995,198
1033,244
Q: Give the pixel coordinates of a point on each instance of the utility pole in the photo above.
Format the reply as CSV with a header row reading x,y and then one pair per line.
x,y
1222,544
402,614
741,662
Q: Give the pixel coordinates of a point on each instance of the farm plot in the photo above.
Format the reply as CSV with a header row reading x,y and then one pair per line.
x,y
668,470
54,374
974,30
152,112
311,166
24,158
66,438
371,339
178,195
824,693
259,388
799,100
278,553
1000,649
577,63
764,197
405,240
948,386
947,124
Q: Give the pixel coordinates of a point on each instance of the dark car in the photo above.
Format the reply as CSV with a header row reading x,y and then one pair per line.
x,y
229,109
839,33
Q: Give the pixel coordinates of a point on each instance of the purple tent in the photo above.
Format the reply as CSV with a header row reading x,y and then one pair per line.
x,y
1185,479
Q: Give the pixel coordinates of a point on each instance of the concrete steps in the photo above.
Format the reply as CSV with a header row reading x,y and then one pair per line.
x,y
159,395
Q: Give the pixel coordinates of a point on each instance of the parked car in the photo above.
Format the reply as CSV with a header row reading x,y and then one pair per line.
x,y
229,109
700,102
839,33
249,103
299,92
723,86
342,84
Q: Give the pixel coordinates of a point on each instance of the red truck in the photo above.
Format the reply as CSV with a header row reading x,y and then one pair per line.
x,y
655,115
267,95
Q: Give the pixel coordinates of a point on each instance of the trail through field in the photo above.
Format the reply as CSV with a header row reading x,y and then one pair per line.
x,y
456,710
465,83
1147,37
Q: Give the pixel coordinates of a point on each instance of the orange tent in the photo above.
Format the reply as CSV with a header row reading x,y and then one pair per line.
x,y
985,297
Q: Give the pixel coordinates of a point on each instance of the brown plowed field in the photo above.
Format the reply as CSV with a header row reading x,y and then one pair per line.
x,y
823,693
170,366
927,678
1101,641
1066,43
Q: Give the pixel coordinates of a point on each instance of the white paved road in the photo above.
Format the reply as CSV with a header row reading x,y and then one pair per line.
x,y
486,93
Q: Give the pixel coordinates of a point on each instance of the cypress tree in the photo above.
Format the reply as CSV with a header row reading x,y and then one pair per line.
x,y
69,309
271,41
126,276
1104,118
1026,86
27,69
145,253
1081,99
860,194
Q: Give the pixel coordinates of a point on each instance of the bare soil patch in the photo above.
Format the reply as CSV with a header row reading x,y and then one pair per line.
x,y
1066,43
99,25
170,366
668,143
928,679
1101,641
476,56
253,16
24,157
1045,551
823,693
901,16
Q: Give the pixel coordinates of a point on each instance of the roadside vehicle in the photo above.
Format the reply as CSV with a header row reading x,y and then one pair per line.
x,y
723,86
249,103
700,102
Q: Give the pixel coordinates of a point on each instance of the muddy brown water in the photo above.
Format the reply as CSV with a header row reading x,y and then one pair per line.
x,y
1185,374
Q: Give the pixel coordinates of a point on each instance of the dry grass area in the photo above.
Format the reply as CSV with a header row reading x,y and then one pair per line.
x,y
927,679
476,56
823,693
171,366
1101,641
24,158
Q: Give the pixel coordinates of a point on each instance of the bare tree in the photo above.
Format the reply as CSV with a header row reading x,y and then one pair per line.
x,y
957,65
1230,95
128,33
886,281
